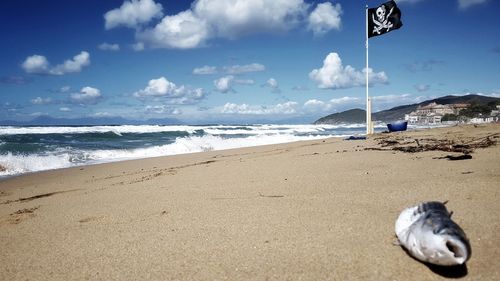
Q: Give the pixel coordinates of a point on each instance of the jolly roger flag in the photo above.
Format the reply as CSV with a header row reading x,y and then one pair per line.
x,y
383,19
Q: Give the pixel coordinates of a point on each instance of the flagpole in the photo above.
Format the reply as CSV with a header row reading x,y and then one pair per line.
x,y
368,109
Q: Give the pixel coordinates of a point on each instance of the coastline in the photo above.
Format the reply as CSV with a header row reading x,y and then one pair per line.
x,y
320,209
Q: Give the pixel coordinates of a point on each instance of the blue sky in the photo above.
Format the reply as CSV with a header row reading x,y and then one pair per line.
x,y
237,60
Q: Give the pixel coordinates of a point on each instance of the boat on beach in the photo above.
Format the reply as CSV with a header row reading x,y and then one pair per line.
x,y
397,126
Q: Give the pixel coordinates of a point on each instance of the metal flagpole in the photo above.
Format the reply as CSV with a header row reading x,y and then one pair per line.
x,y
368,109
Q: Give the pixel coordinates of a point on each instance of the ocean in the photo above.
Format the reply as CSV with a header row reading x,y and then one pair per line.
x,y
31,149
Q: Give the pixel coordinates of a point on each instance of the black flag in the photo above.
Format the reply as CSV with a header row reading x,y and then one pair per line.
x,y
383,19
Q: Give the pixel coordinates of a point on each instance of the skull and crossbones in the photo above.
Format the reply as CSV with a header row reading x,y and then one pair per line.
x,y
383,20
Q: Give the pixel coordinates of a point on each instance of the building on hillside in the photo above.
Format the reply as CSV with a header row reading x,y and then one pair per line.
x,y
433,113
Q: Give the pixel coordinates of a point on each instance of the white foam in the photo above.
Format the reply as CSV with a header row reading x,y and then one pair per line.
x,y
20,164
9,130
217,137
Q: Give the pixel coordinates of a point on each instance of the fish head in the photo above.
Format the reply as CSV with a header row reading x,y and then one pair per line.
x,y
449,247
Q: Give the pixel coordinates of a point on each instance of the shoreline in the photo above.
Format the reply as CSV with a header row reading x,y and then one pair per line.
x,y
319,209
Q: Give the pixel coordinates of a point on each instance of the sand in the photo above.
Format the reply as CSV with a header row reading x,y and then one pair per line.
x,y
315,210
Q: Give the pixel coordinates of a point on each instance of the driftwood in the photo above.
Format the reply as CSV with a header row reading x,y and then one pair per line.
x,y
410,145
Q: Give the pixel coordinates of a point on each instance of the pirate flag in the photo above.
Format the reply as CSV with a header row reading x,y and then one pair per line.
x,y
383,19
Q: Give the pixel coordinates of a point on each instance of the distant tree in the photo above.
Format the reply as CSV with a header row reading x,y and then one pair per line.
x,y
450,117
476,110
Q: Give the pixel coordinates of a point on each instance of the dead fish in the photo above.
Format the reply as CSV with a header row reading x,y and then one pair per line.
x,y
429,234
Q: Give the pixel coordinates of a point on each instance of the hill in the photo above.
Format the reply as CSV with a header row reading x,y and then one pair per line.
x,y
398,113
349,116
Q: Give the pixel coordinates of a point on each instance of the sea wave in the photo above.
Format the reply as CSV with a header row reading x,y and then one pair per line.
x,y
32,149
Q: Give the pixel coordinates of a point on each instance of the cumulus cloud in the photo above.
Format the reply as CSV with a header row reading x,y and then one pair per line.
x,y
318,106
173,94
224,84
315,105
87,95
273,85
181,31
209,19
38,64
333,75
324,18
245,109
41,101
109,47
133,14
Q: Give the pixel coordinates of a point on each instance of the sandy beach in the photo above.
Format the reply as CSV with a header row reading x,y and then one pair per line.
x,y
315,210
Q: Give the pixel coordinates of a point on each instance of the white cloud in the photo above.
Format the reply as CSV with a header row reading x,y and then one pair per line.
x,y
65,109
324,18
224,84
74,65
464,4
333,75
205,70
182,31
41,101
38,64
245,109
315,106
233,18
109,47
174,94
208,19
239,69
344,100
158,87
133,13
87,95
273,85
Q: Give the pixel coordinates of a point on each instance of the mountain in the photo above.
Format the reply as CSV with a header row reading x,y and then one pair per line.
x,y
349,116
89,121
398,113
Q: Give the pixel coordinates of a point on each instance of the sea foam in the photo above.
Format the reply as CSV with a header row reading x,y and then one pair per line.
x,y
73,148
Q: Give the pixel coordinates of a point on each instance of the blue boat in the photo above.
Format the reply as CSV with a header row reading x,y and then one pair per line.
x,y
397,126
